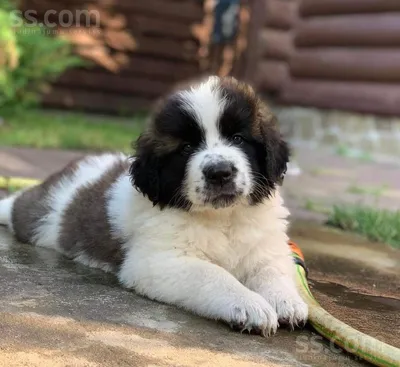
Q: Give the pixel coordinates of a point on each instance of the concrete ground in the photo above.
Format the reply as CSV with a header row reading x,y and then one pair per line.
x,y
327,179
33,163
57,313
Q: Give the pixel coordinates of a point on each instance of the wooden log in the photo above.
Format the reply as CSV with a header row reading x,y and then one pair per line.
x,y
171,70
378,30
157,68
39,5
167,48
109,82
378,98
331,7
271,75
94,101
119,39
185,11
275,44
381,65
106,18
82,14
281,14
150,26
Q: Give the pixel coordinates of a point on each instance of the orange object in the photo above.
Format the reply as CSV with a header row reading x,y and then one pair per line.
x,y
296,249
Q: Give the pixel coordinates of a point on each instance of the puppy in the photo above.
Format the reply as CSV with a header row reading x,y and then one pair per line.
x,y
195,219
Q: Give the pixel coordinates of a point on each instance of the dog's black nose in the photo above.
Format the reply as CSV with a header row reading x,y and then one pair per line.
x,y
219,173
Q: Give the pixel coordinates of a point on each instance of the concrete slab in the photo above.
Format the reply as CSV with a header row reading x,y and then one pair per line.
x,y
57,313
327,179
36,163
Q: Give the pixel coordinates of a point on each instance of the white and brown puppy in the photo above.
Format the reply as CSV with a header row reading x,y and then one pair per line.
x,y
195,219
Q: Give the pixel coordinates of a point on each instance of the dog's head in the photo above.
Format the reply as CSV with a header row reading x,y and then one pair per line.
x,y
213,145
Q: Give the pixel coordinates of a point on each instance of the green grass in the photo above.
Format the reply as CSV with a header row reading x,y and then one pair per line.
x,y
345,151
42,129
376,191
313,206
376,225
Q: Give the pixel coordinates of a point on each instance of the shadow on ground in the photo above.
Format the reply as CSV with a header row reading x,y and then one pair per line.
x,y
57,313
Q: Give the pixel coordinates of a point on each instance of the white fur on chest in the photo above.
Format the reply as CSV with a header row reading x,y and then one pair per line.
x,y
226,237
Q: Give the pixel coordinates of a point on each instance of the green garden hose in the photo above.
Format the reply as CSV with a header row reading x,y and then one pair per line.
x,y
353,341
336,331
16,183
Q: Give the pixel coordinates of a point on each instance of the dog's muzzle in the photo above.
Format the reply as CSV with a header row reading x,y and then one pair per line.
x,y
220,183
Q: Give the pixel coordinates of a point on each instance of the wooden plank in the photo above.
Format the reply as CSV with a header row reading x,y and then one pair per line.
x,y
281,14
378,30
164,70
36,9
378,98
331,7
109,82
272,75
158,68
275,44
168,48
60,97
150,26
41,9
185,11
347,64
41,4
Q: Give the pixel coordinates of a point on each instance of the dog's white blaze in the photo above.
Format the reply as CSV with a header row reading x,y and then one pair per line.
x,y
61,195
206,104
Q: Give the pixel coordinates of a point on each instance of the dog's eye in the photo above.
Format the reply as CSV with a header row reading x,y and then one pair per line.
x,y
237,139
187,149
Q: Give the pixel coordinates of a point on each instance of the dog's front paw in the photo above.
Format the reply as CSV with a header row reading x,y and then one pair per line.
x,y
292,311
289,306
253,313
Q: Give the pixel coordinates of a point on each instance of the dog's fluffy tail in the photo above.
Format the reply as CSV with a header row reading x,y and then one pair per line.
x,y
6,207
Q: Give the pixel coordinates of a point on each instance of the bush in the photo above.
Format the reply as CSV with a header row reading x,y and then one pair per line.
x,y
29,59
8,45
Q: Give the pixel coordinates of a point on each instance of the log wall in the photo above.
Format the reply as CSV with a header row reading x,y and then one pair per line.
x,y
139,51
275,44
342,54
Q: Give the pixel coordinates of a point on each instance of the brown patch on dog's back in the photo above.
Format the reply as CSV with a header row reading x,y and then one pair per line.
x,y
85,228
32,204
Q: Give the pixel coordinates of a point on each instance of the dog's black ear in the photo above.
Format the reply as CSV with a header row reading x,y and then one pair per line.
x,y
145,169
277,151
282,156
